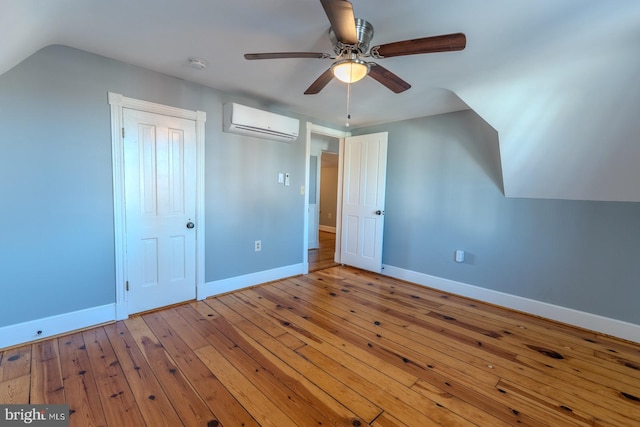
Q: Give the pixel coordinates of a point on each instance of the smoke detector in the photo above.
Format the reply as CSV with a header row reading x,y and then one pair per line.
x,y
197,63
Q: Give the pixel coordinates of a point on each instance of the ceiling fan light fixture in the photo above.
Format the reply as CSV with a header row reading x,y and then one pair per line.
x,y
350,70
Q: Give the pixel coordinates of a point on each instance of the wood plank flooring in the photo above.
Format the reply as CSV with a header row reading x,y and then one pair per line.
x,y
323,256
336,347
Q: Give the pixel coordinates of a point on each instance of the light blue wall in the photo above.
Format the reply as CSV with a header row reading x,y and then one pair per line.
x,y
443,194
56,198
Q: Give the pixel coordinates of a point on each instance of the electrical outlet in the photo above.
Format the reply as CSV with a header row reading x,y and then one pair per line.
x,y
258,245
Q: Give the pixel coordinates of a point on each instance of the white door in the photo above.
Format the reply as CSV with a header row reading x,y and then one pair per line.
x,y
160,197
364,179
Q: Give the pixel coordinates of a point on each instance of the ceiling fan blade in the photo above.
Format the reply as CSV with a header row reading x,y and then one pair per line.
x,y
281,55
388,79
320,83
342,19
444,43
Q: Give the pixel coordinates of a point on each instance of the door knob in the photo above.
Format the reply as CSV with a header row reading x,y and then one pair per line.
x,y
379,212
190,225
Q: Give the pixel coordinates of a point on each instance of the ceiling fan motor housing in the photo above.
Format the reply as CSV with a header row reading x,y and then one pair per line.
x,y
364,32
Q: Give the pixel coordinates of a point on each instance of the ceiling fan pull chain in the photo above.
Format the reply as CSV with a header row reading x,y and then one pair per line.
x,y
348,104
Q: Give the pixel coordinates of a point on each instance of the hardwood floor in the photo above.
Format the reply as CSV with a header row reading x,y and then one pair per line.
x,y
323,256
336,347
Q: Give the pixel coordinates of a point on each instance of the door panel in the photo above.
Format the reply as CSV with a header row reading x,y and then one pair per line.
x,y
178,258
150,262
351,232
160,195
364,179
369,235
147,140
353,154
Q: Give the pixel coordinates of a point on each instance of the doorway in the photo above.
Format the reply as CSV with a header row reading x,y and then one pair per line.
x,y
324,255
160,199
360,202
194,222
323,199
320,246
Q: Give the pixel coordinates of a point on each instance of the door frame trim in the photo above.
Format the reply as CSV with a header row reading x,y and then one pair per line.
x,y
117,103
341,135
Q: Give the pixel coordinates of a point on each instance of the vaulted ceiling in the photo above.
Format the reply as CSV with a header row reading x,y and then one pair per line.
x,y
558,80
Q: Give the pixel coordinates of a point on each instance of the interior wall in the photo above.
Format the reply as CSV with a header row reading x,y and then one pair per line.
x,y
56,214
328,194
444,194
313,185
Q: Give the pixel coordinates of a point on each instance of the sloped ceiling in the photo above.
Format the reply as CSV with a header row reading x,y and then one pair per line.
x,y
558,80
567,111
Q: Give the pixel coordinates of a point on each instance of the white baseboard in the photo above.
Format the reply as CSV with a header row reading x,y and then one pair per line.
x,y
593,322
63,323
22,333
327,228
218,287
49,326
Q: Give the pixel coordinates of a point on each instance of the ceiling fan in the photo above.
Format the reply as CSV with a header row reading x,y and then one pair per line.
x,y
350,38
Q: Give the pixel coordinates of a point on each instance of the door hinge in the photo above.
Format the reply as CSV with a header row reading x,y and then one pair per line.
x,y
127,285
123,132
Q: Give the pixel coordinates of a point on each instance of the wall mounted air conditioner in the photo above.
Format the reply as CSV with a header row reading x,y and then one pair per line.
x,y
250,121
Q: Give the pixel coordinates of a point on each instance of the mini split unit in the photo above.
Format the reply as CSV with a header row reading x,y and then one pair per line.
x,y
250,121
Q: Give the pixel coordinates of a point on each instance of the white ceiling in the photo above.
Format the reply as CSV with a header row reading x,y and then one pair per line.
x,y
520,57
162,34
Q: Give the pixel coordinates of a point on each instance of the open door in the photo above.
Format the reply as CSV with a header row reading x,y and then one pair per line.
x,y
363,196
